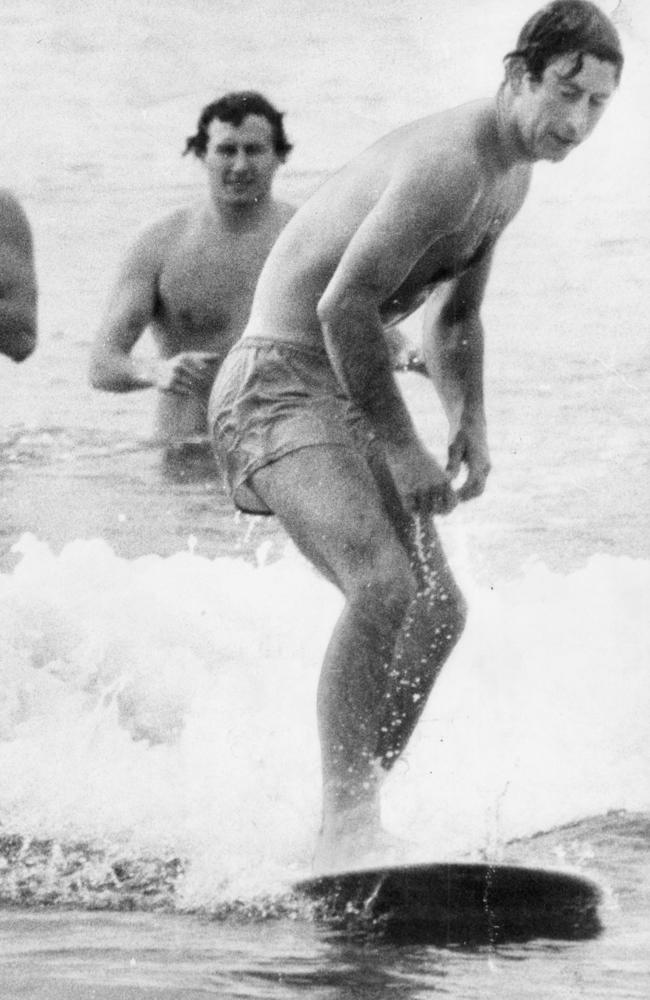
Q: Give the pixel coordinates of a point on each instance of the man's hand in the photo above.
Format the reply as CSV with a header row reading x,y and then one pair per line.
x,y
188,373
469,447
404,356
424,486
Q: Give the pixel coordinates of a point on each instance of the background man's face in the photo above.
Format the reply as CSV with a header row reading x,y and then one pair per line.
x,y
240,160
558,112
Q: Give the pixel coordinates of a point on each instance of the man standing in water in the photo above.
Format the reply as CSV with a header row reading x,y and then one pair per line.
x,y
190,277
18,295
310,425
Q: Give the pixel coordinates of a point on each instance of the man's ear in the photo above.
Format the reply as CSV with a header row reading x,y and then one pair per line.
x,y
515,72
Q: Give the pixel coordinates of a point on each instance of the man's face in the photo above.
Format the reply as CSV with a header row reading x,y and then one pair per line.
x,y
558,112
241,160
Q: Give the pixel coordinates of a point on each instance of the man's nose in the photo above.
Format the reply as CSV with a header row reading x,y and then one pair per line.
x,y
240,162
579,122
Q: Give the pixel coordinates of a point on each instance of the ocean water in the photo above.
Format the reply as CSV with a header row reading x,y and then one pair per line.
x,y
159,774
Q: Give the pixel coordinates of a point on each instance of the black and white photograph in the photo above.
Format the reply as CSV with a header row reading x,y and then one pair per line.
x,y
324,500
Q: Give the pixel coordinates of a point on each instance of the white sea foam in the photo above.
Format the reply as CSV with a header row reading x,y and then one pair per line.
x,y
168,705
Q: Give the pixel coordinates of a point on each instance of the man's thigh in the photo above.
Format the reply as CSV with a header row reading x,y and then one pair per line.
x,y
416,532
334,507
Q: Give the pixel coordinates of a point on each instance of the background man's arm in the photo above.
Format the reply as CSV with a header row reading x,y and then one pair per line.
x,y
18,295
130,309
453,348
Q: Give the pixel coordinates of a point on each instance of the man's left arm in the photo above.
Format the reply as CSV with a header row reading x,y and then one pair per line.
x,y
453,349
18,296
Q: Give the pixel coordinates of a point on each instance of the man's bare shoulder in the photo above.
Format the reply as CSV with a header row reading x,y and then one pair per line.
x,y
15,229
449,144
152,245
469,158
436,167
168,227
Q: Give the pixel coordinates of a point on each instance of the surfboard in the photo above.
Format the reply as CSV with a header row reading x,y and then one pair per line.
x,y
456,904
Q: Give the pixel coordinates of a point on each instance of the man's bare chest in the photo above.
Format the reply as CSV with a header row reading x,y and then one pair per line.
x,y
208,288
450,255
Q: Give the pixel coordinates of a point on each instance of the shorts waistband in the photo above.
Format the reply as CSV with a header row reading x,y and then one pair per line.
x,y
316,350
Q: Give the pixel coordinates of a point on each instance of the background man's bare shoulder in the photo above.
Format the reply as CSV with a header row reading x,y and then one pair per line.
x,y
15,230
17,275
157,236
151,247
18,291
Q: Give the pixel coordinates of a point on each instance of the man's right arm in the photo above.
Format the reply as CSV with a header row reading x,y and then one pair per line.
x,y
130,309
408,217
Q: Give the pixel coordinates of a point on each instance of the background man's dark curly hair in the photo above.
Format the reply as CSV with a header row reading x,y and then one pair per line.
x,y
233,108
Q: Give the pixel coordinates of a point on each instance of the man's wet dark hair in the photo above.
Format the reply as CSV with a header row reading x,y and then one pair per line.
x,y
233,108
563,27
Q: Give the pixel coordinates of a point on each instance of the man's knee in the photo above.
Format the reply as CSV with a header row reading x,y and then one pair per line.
x,y
451,601
383,594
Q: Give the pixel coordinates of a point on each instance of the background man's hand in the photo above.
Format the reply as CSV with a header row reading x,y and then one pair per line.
x,y
469,447
188,373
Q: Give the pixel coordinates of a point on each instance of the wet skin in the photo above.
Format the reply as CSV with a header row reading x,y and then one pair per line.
x,y
413,219
18,291
190,277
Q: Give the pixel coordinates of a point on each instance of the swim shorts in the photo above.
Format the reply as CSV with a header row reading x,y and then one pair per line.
x,y
273,397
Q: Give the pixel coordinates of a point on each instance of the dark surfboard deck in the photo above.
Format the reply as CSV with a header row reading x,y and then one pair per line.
x,y
456,904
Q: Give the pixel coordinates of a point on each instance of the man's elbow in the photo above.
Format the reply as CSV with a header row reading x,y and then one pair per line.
x,y
20,344
327,309
335,306
112,371
98,375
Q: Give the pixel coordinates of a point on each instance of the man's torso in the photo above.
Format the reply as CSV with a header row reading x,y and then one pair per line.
x,y
205,284
207,277
308,253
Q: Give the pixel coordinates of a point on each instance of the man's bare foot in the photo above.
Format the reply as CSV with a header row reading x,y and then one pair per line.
x,y
354,848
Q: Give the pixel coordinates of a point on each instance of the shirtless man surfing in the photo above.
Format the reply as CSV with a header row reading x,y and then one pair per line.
x,y
308,420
